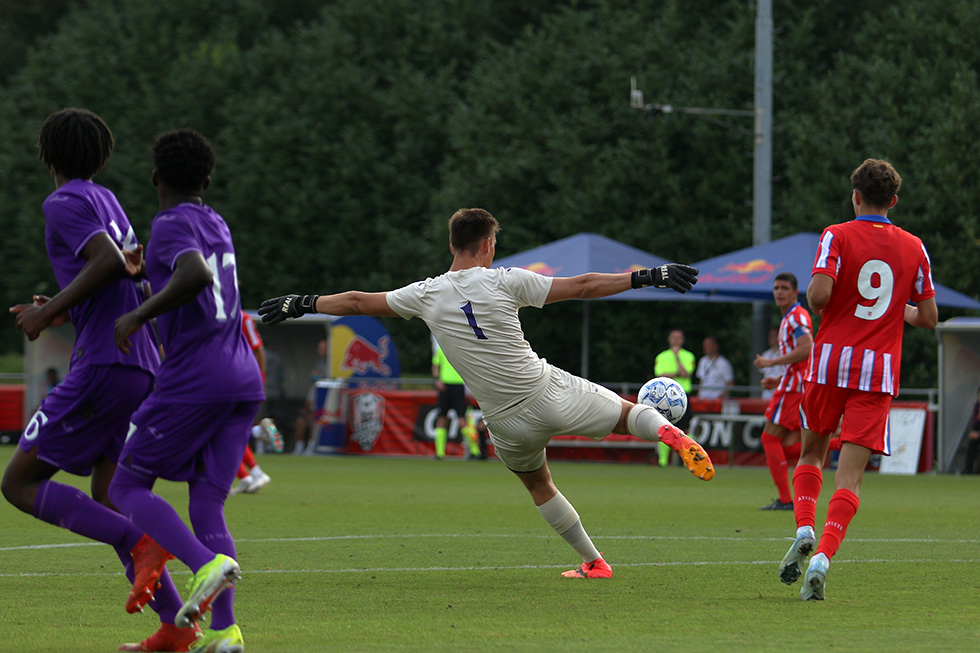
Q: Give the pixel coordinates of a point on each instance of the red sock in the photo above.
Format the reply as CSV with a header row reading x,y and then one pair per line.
x,y
248,462
249,457
776,459
843,506
792,452
807,481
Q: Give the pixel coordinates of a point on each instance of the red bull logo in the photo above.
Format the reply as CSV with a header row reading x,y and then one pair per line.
x,y
361,357
738,272
541,268
754,266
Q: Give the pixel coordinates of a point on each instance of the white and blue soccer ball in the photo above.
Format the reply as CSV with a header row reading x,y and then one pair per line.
x,y
666,395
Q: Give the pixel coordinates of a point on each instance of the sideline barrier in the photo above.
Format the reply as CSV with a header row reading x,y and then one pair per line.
x,y
369,420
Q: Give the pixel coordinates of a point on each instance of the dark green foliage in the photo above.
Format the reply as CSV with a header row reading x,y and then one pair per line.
x,y
348,131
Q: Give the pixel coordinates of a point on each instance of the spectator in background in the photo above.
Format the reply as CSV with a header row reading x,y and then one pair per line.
x,y
714,372
678,364
306,421
774,373
973,439
52,379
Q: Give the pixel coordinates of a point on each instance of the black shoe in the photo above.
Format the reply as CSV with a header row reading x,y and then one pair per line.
x,y
778,505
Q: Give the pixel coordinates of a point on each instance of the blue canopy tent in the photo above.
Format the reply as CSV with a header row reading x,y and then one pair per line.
x,y
747,274
589,252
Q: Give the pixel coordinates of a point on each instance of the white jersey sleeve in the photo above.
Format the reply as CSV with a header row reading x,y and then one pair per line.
x,y
473,315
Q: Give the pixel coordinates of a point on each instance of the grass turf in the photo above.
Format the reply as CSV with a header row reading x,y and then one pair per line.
x,y
372,554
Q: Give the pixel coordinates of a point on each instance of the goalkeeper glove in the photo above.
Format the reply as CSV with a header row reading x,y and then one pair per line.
x,y
675,276
275,310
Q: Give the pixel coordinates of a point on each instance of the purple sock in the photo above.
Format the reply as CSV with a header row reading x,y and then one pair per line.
x,y
132,495
69,507
207,514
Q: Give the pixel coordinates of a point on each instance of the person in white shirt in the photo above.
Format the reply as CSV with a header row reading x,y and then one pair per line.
x,y
472,312
714,371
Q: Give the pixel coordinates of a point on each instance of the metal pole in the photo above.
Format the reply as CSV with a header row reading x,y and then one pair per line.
x,y
762,170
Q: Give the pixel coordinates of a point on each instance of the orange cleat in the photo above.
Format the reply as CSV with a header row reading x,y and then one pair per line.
x,y
694,456
149,561
598,568
168,638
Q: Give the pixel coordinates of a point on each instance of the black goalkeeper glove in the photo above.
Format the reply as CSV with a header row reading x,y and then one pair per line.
x,y
675,276
275,310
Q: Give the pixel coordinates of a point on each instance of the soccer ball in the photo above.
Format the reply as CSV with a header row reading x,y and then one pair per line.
x,y
667,396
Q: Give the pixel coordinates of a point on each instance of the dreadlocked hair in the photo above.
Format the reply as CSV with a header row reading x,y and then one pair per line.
x,y
183,159
75,142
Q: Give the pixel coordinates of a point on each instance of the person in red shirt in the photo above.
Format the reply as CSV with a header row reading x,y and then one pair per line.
x,y
781,434
251,478
865,273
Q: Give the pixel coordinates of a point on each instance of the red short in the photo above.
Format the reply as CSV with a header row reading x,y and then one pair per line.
x,y
862,416
784,409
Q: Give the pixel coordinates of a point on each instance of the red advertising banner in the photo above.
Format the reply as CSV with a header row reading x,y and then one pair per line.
x,y
402,422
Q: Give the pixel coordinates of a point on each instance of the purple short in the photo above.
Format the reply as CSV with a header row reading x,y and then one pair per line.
x,y
182,442
86,416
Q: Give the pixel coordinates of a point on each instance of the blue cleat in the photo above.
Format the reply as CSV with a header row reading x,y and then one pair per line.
x,y
789,568
815,579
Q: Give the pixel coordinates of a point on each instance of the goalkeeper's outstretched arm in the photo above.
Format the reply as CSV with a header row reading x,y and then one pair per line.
x,y
353,302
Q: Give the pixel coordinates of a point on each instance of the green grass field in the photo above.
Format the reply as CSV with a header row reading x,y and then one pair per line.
x,y
371,554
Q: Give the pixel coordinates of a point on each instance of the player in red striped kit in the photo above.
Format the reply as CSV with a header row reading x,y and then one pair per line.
x,y
250,476
865,272
781,434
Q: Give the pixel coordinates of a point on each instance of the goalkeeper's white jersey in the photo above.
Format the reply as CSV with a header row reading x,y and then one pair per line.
x,y
473,315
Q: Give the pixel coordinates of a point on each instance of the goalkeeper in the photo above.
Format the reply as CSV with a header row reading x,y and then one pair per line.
x,y
473,313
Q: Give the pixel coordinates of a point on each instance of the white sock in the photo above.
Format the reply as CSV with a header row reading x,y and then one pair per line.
x,y
560,514
644,422
299,447
255,471
256,431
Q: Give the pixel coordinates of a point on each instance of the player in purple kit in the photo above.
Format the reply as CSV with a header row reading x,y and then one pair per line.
x,y
81,424
195,424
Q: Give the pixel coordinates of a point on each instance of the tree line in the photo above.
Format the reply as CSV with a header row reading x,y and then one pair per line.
x,y
348,131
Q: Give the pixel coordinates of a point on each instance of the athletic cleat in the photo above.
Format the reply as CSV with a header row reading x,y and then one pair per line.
x,y
244,486
598,568
258,482
694,457
269,433
209,581
228,640
789,568
149,561
778,505
168,638
815,579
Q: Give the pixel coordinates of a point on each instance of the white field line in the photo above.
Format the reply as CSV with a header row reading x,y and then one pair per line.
x,y
652,538
693,563
372,570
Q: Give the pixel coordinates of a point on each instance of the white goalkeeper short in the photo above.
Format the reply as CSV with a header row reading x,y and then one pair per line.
x,y
570,405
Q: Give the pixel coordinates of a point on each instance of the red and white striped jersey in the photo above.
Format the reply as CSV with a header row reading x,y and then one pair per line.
x,y
877,268
794,325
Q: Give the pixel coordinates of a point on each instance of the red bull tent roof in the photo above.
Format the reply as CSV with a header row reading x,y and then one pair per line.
x,y
747,274
588,252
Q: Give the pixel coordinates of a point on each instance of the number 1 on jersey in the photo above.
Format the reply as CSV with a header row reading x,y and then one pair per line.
x,y
467,309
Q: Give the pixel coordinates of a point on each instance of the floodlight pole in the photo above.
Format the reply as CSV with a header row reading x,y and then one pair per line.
x,y
762,159
762,169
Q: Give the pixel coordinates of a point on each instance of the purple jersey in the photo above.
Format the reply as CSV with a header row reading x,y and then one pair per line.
x,y
206,356
73,215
